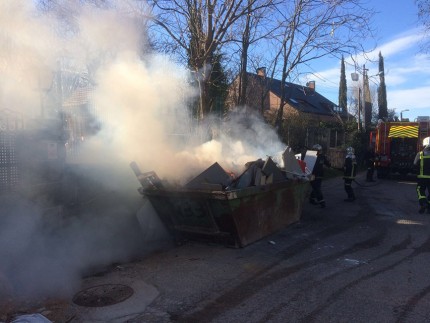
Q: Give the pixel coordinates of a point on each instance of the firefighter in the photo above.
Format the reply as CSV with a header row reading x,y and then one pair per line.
x,y
349,172
317,197
422,161
370,164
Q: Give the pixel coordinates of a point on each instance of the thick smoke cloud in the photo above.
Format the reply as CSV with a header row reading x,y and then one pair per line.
x,y
141,105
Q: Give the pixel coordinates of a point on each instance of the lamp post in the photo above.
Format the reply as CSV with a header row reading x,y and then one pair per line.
x,y
364,103
355,77
367,104
401,115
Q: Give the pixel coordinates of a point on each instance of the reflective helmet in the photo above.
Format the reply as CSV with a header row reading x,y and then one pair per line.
x,y
317,147
349,150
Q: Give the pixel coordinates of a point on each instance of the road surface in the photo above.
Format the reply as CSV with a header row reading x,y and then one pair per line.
x,y
365,261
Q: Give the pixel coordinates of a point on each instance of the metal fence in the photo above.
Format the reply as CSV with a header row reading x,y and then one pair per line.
x,y
9,170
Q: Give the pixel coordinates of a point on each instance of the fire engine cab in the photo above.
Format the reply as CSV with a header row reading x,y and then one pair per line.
x,y
396,144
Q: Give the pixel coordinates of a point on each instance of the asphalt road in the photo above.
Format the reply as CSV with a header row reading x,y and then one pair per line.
x,y
365,261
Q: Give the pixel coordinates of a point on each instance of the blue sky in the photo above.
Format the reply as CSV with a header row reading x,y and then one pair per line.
x,y
407,70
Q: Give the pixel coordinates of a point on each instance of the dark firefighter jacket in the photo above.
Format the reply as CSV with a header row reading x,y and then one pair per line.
x,y
370,158
318,170
350,167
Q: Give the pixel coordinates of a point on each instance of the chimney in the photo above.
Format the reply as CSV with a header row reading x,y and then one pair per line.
x,y
311,85
261,71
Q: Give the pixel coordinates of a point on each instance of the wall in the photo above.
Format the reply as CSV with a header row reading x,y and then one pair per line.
x,y
336,156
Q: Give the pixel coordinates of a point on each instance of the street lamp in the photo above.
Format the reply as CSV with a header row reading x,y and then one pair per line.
x,y
364,103
401,115
355,77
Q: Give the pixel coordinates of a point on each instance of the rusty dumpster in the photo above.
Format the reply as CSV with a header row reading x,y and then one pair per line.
x,y
235,218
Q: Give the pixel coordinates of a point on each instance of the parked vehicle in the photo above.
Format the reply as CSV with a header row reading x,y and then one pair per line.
x,y
396,143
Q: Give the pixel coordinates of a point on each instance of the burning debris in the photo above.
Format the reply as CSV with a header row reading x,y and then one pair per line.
x,y
215,178
235,210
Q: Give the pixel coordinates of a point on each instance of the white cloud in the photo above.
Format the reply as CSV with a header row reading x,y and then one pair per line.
x,y
407,72
401,43
417,98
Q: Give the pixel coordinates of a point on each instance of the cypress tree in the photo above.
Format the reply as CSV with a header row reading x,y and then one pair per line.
x,y
218,85
342,87
382,91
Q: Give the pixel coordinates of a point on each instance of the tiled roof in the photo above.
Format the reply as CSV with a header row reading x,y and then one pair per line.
x,y
303,98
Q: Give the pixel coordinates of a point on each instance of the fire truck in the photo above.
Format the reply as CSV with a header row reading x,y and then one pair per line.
x,y
396,144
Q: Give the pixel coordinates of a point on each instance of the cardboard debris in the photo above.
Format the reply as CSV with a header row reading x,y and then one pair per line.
x,y
251,176
291,163
148,179
260,173
256,173
269,179
259,177
310,160
271,169
214,178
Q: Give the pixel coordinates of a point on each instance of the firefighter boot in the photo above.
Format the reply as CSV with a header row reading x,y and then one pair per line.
x,y
351,198
423,205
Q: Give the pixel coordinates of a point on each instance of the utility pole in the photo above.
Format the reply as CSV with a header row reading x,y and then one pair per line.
x,y
367,103
359,108
355,77
364,95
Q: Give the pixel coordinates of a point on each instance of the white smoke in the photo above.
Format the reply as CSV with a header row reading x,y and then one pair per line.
x,y
142,102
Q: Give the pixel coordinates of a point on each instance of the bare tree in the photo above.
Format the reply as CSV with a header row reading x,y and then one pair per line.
x,y
317,28
195,30
424,17
255,28
287,34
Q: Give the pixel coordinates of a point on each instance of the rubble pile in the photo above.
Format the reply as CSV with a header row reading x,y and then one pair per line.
x,y
215,178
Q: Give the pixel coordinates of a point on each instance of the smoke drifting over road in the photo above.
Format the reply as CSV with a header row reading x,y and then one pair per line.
x,y
142,110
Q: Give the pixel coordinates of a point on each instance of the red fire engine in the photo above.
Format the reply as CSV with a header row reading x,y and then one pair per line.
x,y
396,144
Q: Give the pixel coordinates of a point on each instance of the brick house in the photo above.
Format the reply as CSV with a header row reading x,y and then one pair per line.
x,y
304,108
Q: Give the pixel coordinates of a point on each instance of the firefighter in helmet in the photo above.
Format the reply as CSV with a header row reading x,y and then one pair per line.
x,y
317,197
349,172
422,160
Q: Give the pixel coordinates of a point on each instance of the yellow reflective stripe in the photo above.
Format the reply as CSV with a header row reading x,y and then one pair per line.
x,y
419,194
421,174
421,164
403,131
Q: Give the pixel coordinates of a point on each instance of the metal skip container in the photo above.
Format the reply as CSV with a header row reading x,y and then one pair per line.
x,y
235,212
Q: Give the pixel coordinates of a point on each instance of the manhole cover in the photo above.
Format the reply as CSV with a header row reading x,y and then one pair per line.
x,y
103,295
